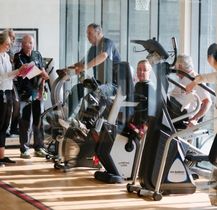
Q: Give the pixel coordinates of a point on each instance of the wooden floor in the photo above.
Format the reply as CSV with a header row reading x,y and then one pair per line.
x,y
78,190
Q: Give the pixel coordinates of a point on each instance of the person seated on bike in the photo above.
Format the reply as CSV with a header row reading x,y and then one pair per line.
x,y
142,92
187,102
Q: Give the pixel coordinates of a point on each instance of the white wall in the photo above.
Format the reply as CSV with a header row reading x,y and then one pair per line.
x,y
41,14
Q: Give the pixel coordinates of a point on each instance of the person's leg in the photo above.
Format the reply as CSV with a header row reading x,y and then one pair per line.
x,y
6,106
24,127
2,129
16,111
37,129
15,117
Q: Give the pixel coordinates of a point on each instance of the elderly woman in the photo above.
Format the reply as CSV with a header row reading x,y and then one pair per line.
x,y
6,90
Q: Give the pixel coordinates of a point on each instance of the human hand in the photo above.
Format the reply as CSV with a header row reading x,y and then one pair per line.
x,y
189,87
24,70
191,123
79,67
44,75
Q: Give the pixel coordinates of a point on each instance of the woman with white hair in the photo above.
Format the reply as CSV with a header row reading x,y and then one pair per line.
x,y
6,91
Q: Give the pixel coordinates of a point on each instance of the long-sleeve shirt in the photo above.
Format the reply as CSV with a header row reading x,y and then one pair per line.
x,y
209,78
6,77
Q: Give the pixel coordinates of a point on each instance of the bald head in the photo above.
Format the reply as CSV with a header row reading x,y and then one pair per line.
x,y
143,70
27,44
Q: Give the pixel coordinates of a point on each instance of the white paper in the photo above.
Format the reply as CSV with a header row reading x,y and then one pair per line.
x,y
33,72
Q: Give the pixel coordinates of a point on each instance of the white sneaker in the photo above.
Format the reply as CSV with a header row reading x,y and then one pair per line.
x,y
25,155
41,153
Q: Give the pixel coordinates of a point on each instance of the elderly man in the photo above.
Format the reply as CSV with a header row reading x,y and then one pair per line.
x,y
30,94
185,64
101,55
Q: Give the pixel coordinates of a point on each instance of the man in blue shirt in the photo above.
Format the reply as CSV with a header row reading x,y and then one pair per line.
x,y
101,56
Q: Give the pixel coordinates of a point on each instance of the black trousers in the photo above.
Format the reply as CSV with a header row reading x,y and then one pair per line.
x,y
6,100
15,115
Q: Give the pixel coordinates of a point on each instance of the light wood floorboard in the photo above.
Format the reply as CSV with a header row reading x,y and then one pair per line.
x,y
78,190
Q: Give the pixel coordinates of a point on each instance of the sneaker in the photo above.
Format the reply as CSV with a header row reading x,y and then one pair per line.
x,y
25,155
2,164
7,160
40,153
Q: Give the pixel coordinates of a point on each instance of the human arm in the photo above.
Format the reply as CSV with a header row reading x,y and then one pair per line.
x,y
36,65
98,55
189,87
80,67
205,106
206,78
18,72
44,74
9,75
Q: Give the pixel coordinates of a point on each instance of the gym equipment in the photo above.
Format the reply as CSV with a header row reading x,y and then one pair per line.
x,y
76,146
162,168
118,145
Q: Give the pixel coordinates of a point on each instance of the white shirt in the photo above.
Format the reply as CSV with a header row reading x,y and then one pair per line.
x,y
210,77
6,81
188,101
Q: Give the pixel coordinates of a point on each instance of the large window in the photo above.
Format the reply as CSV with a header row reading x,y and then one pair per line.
x,y
120,20
139,28
169,21
192,23
208,31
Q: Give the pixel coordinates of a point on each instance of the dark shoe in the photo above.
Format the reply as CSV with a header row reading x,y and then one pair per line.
x,y
7,160
8,134
14,132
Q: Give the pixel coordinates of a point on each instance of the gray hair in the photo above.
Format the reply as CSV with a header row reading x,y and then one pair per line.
x,y
96,27
186,61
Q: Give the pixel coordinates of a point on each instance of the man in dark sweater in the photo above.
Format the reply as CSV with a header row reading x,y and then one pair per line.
x,y
31,101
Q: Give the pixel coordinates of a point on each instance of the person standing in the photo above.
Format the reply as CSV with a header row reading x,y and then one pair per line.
x,y
210,77
101,56
6,91
15,110
31,100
